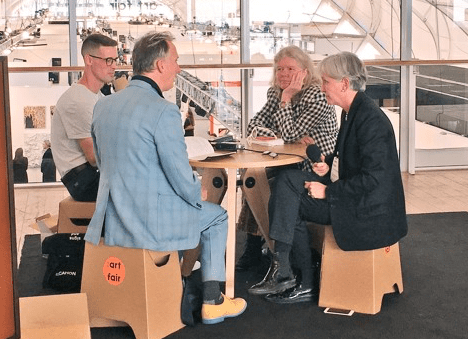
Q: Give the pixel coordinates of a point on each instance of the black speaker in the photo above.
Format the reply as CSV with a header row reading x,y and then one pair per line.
x,y
54,77
56,62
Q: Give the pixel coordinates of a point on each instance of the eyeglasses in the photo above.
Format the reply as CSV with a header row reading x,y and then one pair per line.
x,y
109,61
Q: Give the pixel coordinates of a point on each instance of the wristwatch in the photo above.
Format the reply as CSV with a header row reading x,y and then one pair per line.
x,y
284,104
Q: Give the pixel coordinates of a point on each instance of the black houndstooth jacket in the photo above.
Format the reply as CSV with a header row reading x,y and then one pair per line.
x,y
309,115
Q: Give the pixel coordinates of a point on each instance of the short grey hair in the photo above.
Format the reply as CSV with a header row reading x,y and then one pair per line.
x,y
303,60
148,49
345,65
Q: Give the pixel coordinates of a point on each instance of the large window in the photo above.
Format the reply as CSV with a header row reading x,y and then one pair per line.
x,y
214,37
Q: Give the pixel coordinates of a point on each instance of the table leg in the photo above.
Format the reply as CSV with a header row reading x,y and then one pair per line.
x,y
256,191
215,182
231,238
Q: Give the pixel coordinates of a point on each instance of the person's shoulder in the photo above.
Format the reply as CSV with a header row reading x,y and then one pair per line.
x,y
313,94
74,93
68,93
313,91
366,103
272,91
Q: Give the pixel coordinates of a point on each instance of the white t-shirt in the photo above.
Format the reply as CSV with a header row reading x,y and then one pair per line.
x,y
72,121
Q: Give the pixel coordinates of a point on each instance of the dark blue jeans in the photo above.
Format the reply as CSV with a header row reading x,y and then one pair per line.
x,y
290,205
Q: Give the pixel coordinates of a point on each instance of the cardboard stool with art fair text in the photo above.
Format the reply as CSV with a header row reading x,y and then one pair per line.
x,y
141,288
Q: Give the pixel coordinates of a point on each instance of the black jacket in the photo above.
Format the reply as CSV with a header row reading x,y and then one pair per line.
x,y
48,167
367,203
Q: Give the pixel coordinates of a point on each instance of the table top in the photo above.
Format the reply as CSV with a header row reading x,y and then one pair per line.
x,y
248,158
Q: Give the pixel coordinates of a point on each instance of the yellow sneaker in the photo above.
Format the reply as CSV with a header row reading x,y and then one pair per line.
x,y
213,314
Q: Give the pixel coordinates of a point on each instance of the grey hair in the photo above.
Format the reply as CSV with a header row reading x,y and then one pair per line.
x,y
303,61
148,49
345,65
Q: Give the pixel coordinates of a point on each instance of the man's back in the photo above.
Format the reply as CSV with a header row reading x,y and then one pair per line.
x,y
147,184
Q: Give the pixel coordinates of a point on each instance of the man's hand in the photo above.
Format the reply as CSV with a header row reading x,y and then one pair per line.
x,y
120,83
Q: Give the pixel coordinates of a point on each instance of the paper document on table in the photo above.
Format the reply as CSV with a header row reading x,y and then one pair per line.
x,y
264,136
199,148
266,141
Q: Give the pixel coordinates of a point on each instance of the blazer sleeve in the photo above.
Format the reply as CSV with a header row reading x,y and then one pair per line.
x,y
172,152
264,118
300,120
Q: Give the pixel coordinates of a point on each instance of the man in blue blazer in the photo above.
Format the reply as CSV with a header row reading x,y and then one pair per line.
x,y
148,195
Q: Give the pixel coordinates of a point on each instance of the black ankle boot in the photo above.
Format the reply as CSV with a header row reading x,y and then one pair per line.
x,y
252,256
273,282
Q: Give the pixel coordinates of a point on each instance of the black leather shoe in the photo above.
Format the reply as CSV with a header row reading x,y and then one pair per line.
x,y
272,282
293,295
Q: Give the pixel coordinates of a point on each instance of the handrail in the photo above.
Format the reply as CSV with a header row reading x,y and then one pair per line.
x,y
381,62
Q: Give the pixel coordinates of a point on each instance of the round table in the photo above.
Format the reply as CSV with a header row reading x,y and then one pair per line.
x,y
254,185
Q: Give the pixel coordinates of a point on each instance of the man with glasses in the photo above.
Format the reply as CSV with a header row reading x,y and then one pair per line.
x,y
71,140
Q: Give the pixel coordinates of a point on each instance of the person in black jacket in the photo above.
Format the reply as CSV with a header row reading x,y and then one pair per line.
x,y
20,167
362,199
47,165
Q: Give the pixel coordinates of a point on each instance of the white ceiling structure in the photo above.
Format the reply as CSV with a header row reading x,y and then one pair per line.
x,y
440,29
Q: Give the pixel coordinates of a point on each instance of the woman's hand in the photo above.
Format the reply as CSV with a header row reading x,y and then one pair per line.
x,y
306,140
295,86
316,189
321,168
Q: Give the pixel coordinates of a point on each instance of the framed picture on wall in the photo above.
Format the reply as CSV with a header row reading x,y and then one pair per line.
x,y
34,116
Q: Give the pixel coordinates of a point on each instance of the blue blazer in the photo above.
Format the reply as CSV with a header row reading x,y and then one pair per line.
x,y
148,194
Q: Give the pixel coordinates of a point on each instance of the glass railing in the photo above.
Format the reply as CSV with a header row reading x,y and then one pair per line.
x,y
214,95
441,115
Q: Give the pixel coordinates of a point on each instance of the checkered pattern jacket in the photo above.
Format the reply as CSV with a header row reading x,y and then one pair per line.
x,y
308,115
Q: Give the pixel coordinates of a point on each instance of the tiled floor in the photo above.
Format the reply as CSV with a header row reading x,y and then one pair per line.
x,y
426,192
31,203
436,191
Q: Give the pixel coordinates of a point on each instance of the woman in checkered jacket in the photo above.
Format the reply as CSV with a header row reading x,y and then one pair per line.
x,y
296,111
